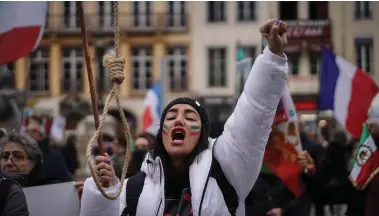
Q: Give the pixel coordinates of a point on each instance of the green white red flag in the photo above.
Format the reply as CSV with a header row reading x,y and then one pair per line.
x,y
366,162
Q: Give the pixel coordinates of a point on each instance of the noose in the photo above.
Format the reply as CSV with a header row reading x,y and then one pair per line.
x,y
115,65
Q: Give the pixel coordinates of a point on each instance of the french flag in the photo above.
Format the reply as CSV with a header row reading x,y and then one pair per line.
x,y
152,109
347,90
21,28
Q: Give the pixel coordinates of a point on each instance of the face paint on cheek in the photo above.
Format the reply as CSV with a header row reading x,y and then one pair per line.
x,y
165,130
195,131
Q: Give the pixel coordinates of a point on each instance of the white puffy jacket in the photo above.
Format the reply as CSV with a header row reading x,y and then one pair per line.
x,y
239,151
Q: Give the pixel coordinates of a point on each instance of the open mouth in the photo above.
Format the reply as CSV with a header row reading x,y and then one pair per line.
x,y
178,134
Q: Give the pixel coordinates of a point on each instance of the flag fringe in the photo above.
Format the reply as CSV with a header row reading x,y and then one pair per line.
x,y
372,175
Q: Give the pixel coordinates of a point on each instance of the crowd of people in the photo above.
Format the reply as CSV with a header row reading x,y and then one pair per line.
x,y
181,171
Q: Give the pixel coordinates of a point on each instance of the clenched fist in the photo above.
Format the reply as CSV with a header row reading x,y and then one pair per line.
x,y
275,33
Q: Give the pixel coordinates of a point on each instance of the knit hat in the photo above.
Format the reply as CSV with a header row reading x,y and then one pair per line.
x,y
373,112
193,103
203,142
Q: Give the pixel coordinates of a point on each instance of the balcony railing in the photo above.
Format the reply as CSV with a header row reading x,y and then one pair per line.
x,y
128,22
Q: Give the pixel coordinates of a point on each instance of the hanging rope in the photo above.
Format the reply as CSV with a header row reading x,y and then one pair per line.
x,y
115,65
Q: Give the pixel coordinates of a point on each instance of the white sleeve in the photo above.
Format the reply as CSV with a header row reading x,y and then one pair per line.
x,y
241,147
94,203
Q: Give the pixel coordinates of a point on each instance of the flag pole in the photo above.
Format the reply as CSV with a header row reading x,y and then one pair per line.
x,y
25,97
91,81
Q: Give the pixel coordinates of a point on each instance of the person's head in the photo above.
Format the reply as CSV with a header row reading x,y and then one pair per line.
x,y
144,142
339,137
19,153
373,118
183,132
35,129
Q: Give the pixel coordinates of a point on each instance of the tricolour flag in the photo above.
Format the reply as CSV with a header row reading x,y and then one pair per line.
x,y
21,28
283,146
152,109
366,162
347,90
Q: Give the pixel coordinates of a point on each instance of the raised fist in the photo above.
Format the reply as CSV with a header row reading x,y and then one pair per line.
x,y
275,33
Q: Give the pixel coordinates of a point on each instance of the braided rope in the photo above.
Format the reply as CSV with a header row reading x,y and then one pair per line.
x,y
115,65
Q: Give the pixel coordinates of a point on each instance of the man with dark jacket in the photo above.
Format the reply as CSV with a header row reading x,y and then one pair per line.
x,y
268,197
12,198
54,163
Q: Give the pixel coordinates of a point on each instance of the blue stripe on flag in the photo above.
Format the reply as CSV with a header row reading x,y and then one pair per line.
x,y
328,81
158,92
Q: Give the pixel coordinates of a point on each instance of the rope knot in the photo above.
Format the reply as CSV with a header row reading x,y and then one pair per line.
x,y
115,67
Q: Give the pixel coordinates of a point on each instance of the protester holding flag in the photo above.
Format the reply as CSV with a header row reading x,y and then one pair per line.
x,y
364,174
187,173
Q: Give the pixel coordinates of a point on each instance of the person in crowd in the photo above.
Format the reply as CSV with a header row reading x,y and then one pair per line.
x,y
143,143
335,179
20,154
109,139
187,172
12,198
311,160
269,196
70,154
365,202
54,163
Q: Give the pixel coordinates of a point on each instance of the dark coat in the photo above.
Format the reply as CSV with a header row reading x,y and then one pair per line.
x,y
12,198
268,192
313,183
54,164
38,178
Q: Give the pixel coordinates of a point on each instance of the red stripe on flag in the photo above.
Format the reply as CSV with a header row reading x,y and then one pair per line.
x,y
147,119
281,158
363,90
369,168
17,43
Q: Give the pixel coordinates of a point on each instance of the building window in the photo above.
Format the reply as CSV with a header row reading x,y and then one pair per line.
x,y
72,76
39,71
177,68
246,11
364,53
142,14
176,15
7,78
142,68
105,13
315,61
102,77
293,63
363,10
216,11
71,20
217,67
288,10
318,9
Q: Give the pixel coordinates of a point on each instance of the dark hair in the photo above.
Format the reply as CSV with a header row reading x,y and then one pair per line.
x,y
150,138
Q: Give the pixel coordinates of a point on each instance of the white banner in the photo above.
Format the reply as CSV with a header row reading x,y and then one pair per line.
x,y
55,199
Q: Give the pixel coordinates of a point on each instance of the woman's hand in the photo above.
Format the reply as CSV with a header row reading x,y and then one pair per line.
x,y
275,33
105,171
